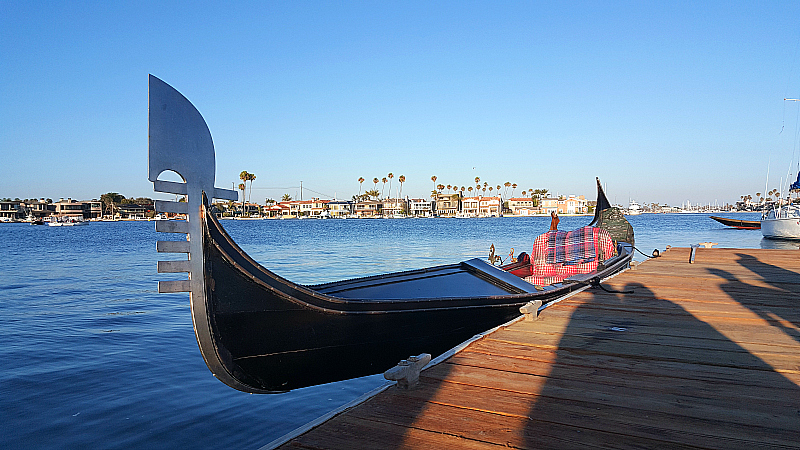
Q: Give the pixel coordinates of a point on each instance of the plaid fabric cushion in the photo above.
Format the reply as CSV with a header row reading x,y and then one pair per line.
x,y
570,247
544,273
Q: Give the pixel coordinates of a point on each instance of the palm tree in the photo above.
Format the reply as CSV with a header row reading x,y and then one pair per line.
x,y
490,190
440,187
507,184
401,179
376,181
360,182
373,193
241,188
250,177
433,178
470,190
513,188
384,185
462,191
773,193
524,192
244,176
477,180
434,193
391,175
286,198
449,187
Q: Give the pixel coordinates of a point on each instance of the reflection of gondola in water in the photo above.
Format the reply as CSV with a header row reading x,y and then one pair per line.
x,y
261,333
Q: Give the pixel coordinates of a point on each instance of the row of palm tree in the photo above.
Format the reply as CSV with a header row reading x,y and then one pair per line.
x,y
769,195
374,192
482,188
439,188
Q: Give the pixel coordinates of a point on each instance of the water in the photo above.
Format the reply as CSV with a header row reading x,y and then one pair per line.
x,y
94,357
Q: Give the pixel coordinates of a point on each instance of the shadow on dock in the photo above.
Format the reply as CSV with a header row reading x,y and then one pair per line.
x,y
702,355
776,300
642,371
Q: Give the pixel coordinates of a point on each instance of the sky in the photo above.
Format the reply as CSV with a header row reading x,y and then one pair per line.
x,y
666,102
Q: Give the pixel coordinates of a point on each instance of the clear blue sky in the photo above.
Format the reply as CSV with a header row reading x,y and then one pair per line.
x,y
665,102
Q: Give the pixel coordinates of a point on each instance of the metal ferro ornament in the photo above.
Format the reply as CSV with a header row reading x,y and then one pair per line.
x,y
179,141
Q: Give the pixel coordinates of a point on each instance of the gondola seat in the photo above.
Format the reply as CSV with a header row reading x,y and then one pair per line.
x,y
561,254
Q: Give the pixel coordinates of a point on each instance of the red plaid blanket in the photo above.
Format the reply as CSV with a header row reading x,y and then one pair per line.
x,y
570,247
557,254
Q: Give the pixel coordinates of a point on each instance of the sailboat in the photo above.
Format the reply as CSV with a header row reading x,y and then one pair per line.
x,y
783,221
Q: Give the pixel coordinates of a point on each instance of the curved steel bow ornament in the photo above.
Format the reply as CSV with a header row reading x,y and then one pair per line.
x,y
179,141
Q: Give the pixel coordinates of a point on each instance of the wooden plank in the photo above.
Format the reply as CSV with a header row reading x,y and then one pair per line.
x,y
544,428
348,432
638,379
670,344
647,396
521,359
501,430
650,423
756,334
703,355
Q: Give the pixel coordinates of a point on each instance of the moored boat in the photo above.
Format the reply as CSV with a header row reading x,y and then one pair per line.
x,y
261,333
66,221
783,221
738,223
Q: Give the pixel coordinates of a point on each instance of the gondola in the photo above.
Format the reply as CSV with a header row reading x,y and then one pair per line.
x,y
261,333
738,223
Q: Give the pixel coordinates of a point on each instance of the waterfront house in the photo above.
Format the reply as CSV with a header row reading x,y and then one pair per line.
x,y
448,205
548,205
394,207
490,206
87,210
318,207
307,208
277,210
39,209
470,206
368,208
419,207
11,210
522,206
572,205
340,208
251,209
134,211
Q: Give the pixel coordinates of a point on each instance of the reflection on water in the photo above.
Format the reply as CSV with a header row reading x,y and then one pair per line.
x,y
780,244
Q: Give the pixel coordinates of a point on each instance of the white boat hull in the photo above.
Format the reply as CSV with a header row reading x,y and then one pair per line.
x,y
783,228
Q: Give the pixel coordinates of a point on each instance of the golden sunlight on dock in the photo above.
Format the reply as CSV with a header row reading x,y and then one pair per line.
x,y
703,355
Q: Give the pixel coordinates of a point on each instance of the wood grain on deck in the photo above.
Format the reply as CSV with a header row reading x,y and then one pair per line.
x,y
703,355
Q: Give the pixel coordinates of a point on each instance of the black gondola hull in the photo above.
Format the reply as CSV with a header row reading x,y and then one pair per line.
x,y
272,335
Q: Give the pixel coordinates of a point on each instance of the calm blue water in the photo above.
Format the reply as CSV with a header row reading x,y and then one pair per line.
x,y
93,357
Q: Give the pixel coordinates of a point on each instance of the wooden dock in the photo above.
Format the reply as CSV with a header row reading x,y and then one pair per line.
x,y
703,355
